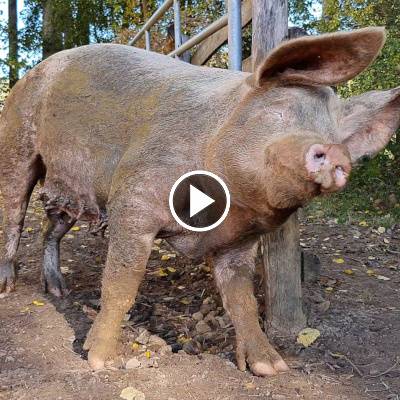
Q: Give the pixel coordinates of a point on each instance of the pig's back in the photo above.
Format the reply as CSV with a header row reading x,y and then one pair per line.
x,y
96,101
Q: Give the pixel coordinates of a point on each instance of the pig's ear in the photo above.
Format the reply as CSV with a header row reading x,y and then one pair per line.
x,y
369,121
321,60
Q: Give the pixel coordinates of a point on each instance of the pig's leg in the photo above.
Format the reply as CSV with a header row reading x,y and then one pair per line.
x,y
234,271
131,238
16,185
57,225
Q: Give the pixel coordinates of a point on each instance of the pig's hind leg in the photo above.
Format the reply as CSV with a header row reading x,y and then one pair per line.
x,y
234,271
56,226
16,184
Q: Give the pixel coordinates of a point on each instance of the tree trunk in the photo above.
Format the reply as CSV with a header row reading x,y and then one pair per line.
x,y
13,42
83,23
51,34
281,253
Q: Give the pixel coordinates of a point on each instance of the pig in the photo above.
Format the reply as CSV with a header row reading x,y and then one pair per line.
x,y
107,129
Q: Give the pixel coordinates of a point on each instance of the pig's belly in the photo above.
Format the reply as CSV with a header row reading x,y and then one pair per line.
x,y
189,244
197,245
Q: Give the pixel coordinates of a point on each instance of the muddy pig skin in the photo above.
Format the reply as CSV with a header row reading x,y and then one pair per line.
x,y
107,130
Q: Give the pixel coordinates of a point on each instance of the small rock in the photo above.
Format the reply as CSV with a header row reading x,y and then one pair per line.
x,y
130,393
143,337
175,347
205,308
165,350
230,364
221,322
324,306
202,327
198,316
156,343
133,363
170,334
209,335
191,348
210,316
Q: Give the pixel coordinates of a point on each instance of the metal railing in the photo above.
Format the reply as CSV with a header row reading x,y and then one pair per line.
x,y
233,20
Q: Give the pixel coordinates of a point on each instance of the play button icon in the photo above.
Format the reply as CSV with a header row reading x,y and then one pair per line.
x,y
199,201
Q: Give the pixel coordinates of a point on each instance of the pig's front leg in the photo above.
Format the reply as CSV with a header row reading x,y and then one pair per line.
x,y
234,271
132,231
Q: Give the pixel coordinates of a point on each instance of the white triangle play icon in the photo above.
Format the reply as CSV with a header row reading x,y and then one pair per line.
x,y
198,201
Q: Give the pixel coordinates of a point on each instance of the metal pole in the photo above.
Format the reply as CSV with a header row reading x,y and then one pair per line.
x,y
177,24
235,34
214,27
152,20
147,37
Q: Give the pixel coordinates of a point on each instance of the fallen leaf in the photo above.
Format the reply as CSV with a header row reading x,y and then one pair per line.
x,y
130,393
75,229
183,339
171,269
29,229
382,278
336,355
38,303
329,289
249,385
363,223
308,336
338,260
148,354
185,301
387,241
161,272
165,257
371,272
135,346
348,272
381,229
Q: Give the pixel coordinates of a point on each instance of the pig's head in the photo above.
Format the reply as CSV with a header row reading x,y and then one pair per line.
x,y
291,137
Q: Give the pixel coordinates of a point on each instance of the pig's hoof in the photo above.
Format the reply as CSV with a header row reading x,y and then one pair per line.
x,y
101,345
8,277
53,282
99,353
262,358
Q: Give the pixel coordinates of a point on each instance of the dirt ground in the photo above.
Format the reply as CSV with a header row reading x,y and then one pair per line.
x,y
355,304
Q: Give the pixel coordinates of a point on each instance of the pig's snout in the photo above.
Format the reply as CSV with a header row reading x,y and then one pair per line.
x,y
328,165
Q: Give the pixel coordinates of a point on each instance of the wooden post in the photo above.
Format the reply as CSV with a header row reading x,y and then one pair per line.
x,y
281,253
